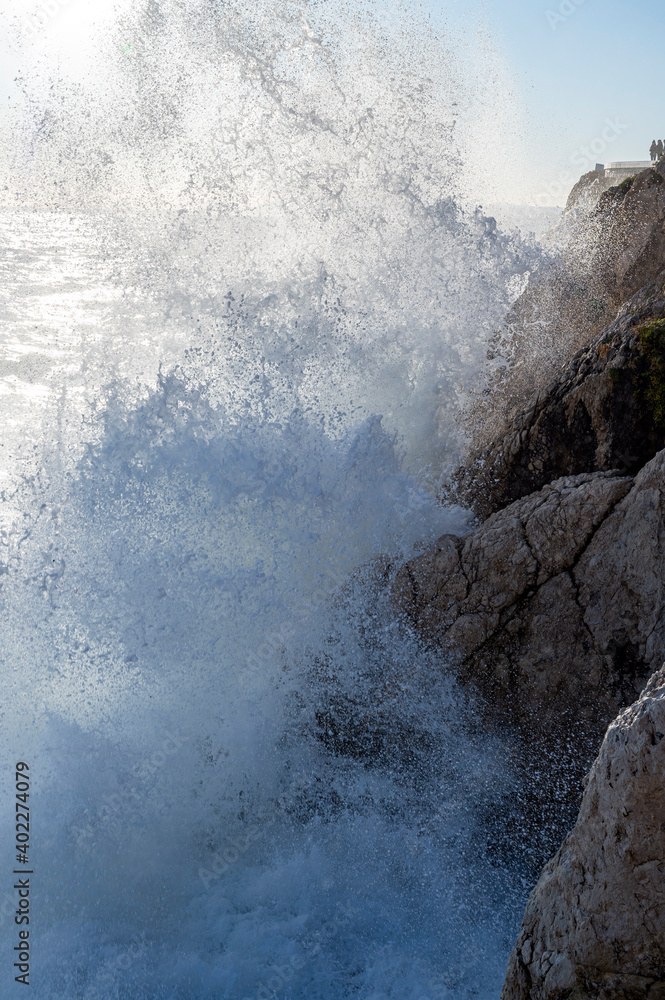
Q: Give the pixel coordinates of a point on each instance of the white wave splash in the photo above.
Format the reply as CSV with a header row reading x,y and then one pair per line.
x,y
242,306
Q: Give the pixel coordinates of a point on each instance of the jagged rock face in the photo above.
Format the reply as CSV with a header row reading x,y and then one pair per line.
x,y
596,416
587,191
632,219
609,253
621,577
607,256
554,608
594,926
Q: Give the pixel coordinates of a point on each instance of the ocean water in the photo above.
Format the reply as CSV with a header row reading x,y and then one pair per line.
x,y
235,356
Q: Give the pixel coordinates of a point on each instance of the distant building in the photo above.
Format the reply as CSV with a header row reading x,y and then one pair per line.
x,y
617,172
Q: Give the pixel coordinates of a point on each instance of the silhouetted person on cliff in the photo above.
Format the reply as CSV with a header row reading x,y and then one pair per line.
x,y
659,150
653,149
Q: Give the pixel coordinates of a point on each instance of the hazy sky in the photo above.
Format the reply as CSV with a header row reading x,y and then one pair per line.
x,y
578,65
583,79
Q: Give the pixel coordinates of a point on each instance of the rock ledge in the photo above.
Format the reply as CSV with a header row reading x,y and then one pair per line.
x,y
594,926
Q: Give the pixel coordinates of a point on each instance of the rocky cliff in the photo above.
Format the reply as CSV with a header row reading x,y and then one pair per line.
x,y
602,256
594,925
605,410
553,608
543,608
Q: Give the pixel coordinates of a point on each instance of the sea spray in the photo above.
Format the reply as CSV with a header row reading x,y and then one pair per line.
x,y
220,393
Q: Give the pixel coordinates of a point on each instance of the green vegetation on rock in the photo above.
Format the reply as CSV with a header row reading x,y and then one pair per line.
x,y
651,383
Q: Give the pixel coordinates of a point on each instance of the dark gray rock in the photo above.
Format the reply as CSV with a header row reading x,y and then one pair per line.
x,y
595,417
602,257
